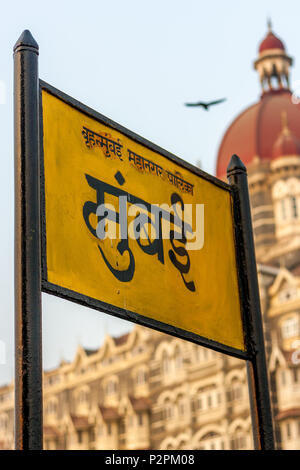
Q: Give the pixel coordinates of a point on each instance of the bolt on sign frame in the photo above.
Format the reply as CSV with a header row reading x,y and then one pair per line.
x,y
69,162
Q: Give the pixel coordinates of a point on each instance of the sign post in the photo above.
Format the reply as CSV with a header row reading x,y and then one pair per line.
x,y
256,366
111,221
28,340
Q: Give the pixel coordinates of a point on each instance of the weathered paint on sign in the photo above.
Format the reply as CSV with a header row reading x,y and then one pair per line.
x,y
190,284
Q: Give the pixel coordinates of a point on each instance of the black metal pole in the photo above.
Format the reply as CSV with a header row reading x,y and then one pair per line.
x,y
254,337
28,322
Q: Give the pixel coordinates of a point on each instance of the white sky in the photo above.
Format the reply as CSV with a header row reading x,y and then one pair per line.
x,y
137,62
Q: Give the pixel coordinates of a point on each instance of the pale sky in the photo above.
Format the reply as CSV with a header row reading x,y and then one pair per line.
x,y
137,62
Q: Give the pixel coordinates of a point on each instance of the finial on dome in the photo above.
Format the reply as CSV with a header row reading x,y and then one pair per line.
x,y
269,24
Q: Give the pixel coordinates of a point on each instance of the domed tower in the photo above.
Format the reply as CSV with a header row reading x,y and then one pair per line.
x,y
273,63
266,137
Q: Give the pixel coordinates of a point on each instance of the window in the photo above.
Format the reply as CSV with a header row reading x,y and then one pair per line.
x,y
211,441
236,391
168,410
141,377
197,353
209,401
181,445
207,397
294,207
53,379
122,427
3,422
79,436
130,422
51,407
239,439
283,381
238,442
290,327
295,374
109,429
165,364
83,396
140,419
283,211
111,387
288,430
91,435
178,359
181,406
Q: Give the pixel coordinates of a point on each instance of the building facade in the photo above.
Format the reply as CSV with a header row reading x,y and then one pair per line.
x,y
267,138
143,390
147,390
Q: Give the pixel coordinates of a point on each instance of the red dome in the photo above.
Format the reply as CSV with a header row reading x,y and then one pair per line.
x,y
254,131
286,144
271,42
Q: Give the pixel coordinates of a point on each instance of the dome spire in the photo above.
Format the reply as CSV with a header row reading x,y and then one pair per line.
x,y
269,24
273,62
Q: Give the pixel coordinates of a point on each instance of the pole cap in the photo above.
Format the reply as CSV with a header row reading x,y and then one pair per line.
x,y
26,41
236,166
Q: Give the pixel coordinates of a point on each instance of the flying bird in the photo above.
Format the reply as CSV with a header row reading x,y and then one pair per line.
x,y
206,105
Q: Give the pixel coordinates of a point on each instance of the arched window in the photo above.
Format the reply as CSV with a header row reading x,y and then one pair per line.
x,y
3,423
182,406
165,364
235,391
207,397
141,377
182,445
168,410
111,387
286,196
83,396
239,439
178,358
51,407
211,441
283,209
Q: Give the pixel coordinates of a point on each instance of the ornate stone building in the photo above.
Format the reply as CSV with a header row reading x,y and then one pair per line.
x,y
267,138
146,390
143,390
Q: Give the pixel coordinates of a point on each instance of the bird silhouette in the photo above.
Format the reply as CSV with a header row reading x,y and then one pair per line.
x,y
206,105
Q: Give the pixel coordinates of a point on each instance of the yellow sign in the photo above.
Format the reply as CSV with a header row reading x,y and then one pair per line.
x,y
127,226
